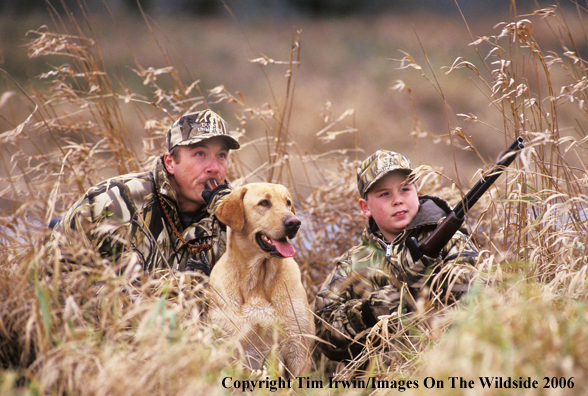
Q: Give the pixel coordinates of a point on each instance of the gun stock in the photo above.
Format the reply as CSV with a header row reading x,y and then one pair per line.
x,y
435,242
438,239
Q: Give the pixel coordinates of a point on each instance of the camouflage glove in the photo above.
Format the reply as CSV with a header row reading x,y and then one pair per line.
x,y
380,302
413,247
416,255
220,190
195,265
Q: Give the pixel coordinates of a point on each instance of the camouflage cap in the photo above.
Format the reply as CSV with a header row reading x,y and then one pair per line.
x,y
196,127
378,165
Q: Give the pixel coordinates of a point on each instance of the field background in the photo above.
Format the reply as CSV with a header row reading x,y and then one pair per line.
x,y
348,62
90,94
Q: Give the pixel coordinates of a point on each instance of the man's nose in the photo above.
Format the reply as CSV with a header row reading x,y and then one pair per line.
x,y
212,166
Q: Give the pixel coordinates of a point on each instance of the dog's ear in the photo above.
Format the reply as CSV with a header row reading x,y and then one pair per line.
x,y
293,209
289,197
231,212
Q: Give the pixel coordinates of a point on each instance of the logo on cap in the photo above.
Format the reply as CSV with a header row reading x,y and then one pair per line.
x,y
196,127
378,165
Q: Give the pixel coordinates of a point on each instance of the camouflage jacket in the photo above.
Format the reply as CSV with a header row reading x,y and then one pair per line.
x,y
377,278
123,216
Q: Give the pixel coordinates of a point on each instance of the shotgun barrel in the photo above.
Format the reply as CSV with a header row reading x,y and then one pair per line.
x,y
435,242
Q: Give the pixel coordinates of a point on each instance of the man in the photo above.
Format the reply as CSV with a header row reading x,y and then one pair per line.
x,y
379,277
160,218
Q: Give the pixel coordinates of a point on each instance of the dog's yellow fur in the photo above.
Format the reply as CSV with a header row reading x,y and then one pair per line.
x,y
253,292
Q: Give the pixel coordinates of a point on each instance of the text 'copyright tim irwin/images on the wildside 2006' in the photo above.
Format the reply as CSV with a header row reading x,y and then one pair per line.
x,y
400,385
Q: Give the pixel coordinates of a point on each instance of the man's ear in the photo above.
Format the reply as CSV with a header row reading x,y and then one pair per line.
x,y
364,207
231,211
168,162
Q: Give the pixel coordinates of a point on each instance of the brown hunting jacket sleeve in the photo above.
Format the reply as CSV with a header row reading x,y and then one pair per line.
x,y
378,278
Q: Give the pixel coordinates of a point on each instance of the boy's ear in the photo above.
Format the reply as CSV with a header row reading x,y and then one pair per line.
x,y
364,207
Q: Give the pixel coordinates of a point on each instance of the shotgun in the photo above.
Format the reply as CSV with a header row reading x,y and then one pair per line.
x,y
435,242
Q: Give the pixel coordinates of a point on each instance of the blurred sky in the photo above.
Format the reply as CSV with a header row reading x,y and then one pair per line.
x,y
283,8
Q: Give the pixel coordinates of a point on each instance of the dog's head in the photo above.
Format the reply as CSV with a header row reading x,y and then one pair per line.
x,y
263,213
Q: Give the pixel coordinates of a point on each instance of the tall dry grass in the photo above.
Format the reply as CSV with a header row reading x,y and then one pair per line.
x,y
80,329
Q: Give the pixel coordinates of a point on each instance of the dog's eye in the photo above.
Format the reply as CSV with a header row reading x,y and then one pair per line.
x,y
265,203
289,203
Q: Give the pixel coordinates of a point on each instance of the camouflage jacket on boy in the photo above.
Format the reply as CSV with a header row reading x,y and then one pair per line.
x,y
370,279
123,216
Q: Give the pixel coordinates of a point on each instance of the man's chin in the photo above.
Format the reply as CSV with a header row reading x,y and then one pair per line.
x,y
191,205
200,203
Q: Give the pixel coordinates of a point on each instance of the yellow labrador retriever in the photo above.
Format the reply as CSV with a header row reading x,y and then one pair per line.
x,y
257,293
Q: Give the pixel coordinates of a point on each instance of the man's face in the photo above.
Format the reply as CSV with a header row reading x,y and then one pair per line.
x,y
392,203
196,164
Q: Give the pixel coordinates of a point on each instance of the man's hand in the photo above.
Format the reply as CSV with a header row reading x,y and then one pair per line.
x,y
194,265
208,195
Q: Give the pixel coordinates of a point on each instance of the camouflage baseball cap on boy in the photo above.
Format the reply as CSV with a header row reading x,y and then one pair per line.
x,y
196,127
378,165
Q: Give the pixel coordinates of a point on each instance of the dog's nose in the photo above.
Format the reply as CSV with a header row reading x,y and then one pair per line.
x,y
292,224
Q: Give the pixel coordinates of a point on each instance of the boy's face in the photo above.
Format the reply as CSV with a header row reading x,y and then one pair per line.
x,y
392,203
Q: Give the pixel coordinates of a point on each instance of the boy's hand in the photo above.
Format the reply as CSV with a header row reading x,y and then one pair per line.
x,y
413,247
380,302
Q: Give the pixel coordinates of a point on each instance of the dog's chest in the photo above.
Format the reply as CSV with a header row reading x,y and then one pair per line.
x,y
258,312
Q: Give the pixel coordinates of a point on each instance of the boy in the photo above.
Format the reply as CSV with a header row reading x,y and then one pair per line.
x,y
379,277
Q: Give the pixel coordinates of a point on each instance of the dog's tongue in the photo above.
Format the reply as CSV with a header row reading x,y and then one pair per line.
x,y
285,248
